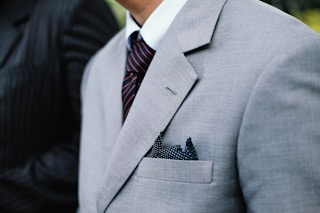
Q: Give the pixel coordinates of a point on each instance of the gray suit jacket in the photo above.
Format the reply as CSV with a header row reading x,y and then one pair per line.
x,y
242,79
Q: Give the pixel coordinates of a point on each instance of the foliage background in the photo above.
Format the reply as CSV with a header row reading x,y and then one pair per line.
x,y
118,11
306,10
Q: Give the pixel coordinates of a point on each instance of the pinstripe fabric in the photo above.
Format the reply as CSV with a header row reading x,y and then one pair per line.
x,y
138,62
44,47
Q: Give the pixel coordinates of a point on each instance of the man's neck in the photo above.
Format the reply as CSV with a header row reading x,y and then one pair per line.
x,y
140,9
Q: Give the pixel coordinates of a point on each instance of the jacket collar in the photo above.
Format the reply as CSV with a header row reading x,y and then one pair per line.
x,y
13,14
17,10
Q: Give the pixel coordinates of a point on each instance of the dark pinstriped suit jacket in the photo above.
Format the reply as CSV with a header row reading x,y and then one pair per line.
x,y
44,46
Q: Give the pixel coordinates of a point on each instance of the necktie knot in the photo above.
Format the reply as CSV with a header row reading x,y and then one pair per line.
x,y
139,57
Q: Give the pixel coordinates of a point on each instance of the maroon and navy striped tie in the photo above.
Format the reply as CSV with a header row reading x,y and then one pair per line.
x,y
138,61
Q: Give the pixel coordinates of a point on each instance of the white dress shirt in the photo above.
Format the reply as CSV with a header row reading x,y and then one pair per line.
x,y
157,23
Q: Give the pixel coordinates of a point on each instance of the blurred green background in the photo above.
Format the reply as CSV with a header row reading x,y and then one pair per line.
x,y
306,10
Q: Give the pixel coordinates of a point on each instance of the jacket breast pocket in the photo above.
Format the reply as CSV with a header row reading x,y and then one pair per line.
x,y
185,171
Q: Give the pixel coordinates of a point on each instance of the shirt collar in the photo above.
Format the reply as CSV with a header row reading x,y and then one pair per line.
x,y
157,23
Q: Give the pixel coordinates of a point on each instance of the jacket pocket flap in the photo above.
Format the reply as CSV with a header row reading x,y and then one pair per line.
x,y
187,171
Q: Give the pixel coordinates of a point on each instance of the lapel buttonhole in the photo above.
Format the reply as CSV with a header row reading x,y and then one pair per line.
x,y
173,91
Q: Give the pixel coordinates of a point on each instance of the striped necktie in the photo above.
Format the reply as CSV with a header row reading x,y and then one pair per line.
x,y
138,61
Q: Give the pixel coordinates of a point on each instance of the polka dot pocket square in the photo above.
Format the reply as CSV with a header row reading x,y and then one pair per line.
x,y
159,150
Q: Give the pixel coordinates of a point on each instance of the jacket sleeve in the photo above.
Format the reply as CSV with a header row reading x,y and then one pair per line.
x,y
279,141
49,182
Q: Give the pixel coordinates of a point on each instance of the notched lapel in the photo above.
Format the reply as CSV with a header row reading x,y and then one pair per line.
x,y
202,19
167,83
9,37
15,13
